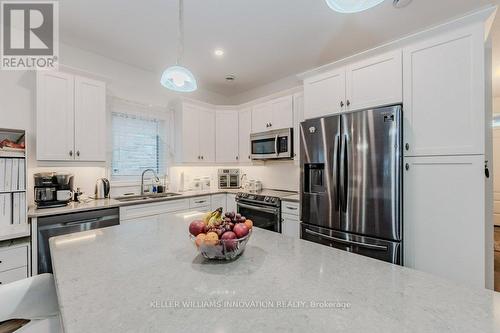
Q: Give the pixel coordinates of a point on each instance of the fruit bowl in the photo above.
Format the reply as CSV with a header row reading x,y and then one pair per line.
x,y
221,237
228,249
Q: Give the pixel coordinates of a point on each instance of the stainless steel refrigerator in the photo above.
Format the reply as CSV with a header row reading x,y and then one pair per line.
x,y
351,182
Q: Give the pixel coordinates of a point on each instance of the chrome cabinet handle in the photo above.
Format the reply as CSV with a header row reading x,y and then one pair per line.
x,y
237,157
348,102
201,201
341,104
407,167
270,124
78,153
291,208
407,146
70,153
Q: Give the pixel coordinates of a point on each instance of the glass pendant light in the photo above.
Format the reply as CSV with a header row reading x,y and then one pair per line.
x,y
179,78
352,6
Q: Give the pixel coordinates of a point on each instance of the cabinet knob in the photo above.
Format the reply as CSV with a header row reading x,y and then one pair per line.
x,y
237,158
202,157
70,153
341,104
270,124
78,153
348,102
407,146
248,156
407,167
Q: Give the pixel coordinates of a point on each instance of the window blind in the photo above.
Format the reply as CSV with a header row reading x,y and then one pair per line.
x,y
137,144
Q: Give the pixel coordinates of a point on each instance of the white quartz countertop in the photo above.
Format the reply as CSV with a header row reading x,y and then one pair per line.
x,y
148,277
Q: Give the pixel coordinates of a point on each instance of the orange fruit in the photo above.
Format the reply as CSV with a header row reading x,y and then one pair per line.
x,y
249,224
200,239
211,238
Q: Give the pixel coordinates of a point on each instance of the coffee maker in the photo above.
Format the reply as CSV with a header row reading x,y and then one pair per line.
x,y
53,189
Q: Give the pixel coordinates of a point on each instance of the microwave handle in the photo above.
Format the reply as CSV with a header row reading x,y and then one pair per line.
x,y
276,146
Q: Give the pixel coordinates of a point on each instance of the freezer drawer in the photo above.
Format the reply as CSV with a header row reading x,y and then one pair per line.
x,y
371,247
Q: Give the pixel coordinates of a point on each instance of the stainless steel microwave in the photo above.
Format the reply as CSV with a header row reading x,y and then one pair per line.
x,y
271,145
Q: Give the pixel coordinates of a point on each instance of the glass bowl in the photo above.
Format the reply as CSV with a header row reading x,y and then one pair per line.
x,y
225,249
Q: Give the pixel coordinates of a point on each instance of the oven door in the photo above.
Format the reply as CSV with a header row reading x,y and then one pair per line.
x,y
263,217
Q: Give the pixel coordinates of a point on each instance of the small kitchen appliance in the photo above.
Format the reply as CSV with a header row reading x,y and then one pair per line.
x,y
53,189
229,178
102,188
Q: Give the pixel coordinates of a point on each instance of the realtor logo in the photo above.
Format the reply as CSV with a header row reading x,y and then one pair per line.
x,y
29,35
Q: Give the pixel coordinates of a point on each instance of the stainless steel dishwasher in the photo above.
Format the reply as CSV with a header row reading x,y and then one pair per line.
x,y
67,224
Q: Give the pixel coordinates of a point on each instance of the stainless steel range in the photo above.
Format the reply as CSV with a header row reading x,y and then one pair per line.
x,y
263,208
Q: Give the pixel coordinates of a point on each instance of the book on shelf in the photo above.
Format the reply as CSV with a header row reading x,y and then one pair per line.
x,y
22,174
14,183
22,208
5,209
8,175
16,208
2,174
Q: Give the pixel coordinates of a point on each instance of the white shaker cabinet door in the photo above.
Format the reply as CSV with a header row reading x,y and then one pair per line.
x,y
226,136
281,113
219,200
290,226
190,148
90,120
207,135
324,94
444,107
55,116
261,117
245,128
231,202
444,217
375,82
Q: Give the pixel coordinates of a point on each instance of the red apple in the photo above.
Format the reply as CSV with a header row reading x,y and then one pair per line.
x,y
241,230
229,239
196,228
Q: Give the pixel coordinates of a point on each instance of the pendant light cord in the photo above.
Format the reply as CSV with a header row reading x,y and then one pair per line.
x,y
180,41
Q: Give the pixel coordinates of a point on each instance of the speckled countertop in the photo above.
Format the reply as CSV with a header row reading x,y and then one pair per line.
x,y
148,277
94,204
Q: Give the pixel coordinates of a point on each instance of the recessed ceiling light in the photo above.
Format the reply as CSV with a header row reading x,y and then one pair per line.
x,y
219,52
352,6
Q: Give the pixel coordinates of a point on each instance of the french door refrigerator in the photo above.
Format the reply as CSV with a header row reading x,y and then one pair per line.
x,y
351,182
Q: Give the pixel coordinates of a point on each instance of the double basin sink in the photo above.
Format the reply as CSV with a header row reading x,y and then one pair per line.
x,y
146,197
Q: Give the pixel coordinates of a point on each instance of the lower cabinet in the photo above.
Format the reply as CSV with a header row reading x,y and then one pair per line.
x,y
290,220
231,203
444,217
219,200
150,211
14,263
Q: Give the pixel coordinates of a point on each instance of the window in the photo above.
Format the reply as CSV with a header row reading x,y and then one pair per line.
x,y
137,144
496,120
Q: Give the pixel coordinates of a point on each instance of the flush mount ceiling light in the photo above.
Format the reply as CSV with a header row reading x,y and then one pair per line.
x,y
179,78
219,52
352,6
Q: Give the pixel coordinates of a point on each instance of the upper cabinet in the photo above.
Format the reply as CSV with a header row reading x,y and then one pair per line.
x,y
324,94
275,114
71,118
244,130
373,82
195,133
226,136
444,95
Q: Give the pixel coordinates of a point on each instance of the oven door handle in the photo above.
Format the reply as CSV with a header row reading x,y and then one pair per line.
x,y
264,209
347,242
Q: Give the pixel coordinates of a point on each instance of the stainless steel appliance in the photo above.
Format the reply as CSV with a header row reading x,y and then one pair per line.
x,y
52,189
277,144
351,182
66,224
102,188
229,178
264,208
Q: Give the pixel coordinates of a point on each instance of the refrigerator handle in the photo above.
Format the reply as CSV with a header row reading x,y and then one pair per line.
x,y
336,162
344,174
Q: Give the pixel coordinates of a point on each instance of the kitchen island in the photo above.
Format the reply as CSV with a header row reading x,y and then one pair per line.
x,y
148,277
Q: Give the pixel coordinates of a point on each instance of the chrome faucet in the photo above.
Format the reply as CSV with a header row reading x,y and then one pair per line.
x,y
142,178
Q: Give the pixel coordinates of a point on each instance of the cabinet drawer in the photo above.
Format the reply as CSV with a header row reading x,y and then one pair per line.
x,y
13,275
13,258
199,202
132,212
291,208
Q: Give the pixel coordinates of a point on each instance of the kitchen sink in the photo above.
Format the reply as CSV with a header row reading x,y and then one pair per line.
x,y
129,198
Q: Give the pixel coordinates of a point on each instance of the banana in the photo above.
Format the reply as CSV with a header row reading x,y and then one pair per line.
x,y
214,218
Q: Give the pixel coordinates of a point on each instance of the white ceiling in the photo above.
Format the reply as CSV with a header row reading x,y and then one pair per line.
x,y
264,40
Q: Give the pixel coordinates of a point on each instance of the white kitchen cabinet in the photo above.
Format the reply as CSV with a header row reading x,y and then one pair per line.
x,y
290,226
231,203
71,118
244,130
273,115
195,134
90,120
139,212
202,201
219,200
444,217
444,106
375,81
324,94
14,263
55,116
298,117
226,136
